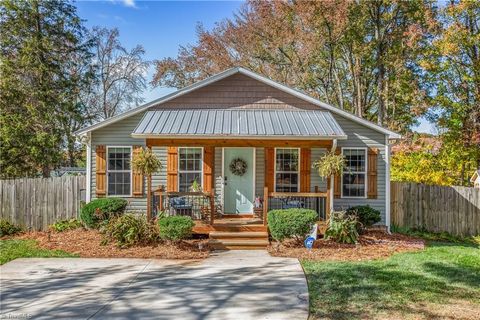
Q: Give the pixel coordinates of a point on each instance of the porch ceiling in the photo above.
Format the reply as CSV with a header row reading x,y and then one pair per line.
x,y
239,124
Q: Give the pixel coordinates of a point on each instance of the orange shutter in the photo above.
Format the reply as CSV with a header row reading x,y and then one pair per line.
x,y
305,159
101,177
336,180
269,168
137,185
372,173
172,169
208,167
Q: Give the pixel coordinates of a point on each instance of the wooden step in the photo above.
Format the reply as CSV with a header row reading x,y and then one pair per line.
x,y
238,244
238,235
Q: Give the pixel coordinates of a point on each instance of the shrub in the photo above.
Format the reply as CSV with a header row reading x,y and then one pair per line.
x,y
68,224
130,229
366,215
102,209
290,223
7,228
342,228
175,228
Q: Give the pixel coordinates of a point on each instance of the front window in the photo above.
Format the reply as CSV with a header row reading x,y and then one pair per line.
x,y
119,172
189,168
354,175
286,170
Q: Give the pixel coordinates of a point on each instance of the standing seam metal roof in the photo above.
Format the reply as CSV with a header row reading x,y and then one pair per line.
x,y
239,122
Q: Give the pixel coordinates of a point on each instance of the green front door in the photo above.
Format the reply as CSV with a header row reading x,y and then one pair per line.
x,y
239,188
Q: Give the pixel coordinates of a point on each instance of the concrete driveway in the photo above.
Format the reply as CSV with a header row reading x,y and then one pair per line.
x,y
228,285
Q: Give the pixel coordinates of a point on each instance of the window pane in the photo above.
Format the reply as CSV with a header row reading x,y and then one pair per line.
x,y
354,185
190,159
287,159
185,180
119,183
286,182
355,160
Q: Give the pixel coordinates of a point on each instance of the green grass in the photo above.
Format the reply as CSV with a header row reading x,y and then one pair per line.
x,y
436,236
13,249
407,285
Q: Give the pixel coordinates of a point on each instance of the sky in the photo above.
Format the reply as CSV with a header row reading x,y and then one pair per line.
x,y
161,27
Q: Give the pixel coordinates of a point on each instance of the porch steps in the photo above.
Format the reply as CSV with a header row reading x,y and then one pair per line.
x,y
221,240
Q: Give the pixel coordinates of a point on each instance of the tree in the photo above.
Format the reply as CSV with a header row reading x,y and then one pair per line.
x,y
358,55
120,75
42,45
453,66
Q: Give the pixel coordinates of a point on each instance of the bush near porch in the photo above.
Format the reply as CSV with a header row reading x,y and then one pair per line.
x,y
98,210
291,223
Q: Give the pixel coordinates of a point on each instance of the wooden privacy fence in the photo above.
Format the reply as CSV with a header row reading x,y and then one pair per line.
x,y
436,208
37,203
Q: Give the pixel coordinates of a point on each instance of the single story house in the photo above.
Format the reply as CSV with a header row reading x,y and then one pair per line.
x,y
238,144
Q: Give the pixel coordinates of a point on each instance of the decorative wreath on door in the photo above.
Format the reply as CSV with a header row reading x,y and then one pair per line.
x,y
238,167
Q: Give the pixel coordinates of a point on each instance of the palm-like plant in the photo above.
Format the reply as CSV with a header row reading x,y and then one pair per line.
x,y
147,163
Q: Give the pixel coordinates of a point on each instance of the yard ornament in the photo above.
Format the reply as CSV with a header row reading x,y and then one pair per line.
x,y
311,237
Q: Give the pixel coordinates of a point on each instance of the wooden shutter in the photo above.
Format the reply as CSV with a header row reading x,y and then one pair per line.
x,y
269,169
337,181
172,169
372,173
100,171
137,183
208,167
305,165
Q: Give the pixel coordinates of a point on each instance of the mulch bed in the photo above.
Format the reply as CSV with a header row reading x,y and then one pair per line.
x,y
371,245
87,244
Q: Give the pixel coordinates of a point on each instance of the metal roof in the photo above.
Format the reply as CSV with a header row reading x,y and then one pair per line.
x,y
238,123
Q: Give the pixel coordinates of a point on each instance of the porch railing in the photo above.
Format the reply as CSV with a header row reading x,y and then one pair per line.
x,y
317,201
197,205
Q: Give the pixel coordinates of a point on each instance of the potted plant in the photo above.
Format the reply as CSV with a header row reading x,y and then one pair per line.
x,y
329,164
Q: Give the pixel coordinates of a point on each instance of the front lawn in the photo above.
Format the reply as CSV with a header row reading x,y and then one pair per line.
x,y
13,249
442,281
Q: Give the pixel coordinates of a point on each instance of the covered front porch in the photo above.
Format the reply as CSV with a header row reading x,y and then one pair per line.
x,y
227,168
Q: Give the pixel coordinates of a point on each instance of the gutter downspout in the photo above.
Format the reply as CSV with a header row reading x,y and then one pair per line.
x,y
387,184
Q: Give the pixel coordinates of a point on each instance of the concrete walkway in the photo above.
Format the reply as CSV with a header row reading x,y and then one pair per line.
x,y
228,285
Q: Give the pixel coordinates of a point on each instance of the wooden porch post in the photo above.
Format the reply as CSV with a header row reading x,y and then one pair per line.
x,y
265,205
149,193
327,203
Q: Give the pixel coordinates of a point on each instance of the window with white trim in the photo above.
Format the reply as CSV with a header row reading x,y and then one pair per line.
x,y
287,169
354,175
190,168
119,172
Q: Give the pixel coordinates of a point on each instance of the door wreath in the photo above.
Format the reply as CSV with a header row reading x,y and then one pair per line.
x,y
238,167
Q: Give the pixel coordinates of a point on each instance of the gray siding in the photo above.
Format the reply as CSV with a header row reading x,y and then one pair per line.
x,y
118,134
360,136
315,179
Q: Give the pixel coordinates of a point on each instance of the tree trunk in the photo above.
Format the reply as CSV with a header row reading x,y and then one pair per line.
x,y
381,105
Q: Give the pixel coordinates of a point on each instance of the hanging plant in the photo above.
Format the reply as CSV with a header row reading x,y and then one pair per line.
x,y
238,167
146,162
329,164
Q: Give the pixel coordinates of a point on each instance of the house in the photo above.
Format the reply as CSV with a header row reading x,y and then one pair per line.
x,y
249,143
475,179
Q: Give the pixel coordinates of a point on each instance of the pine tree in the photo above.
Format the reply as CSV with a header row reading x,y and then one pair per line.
x,y
43,50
